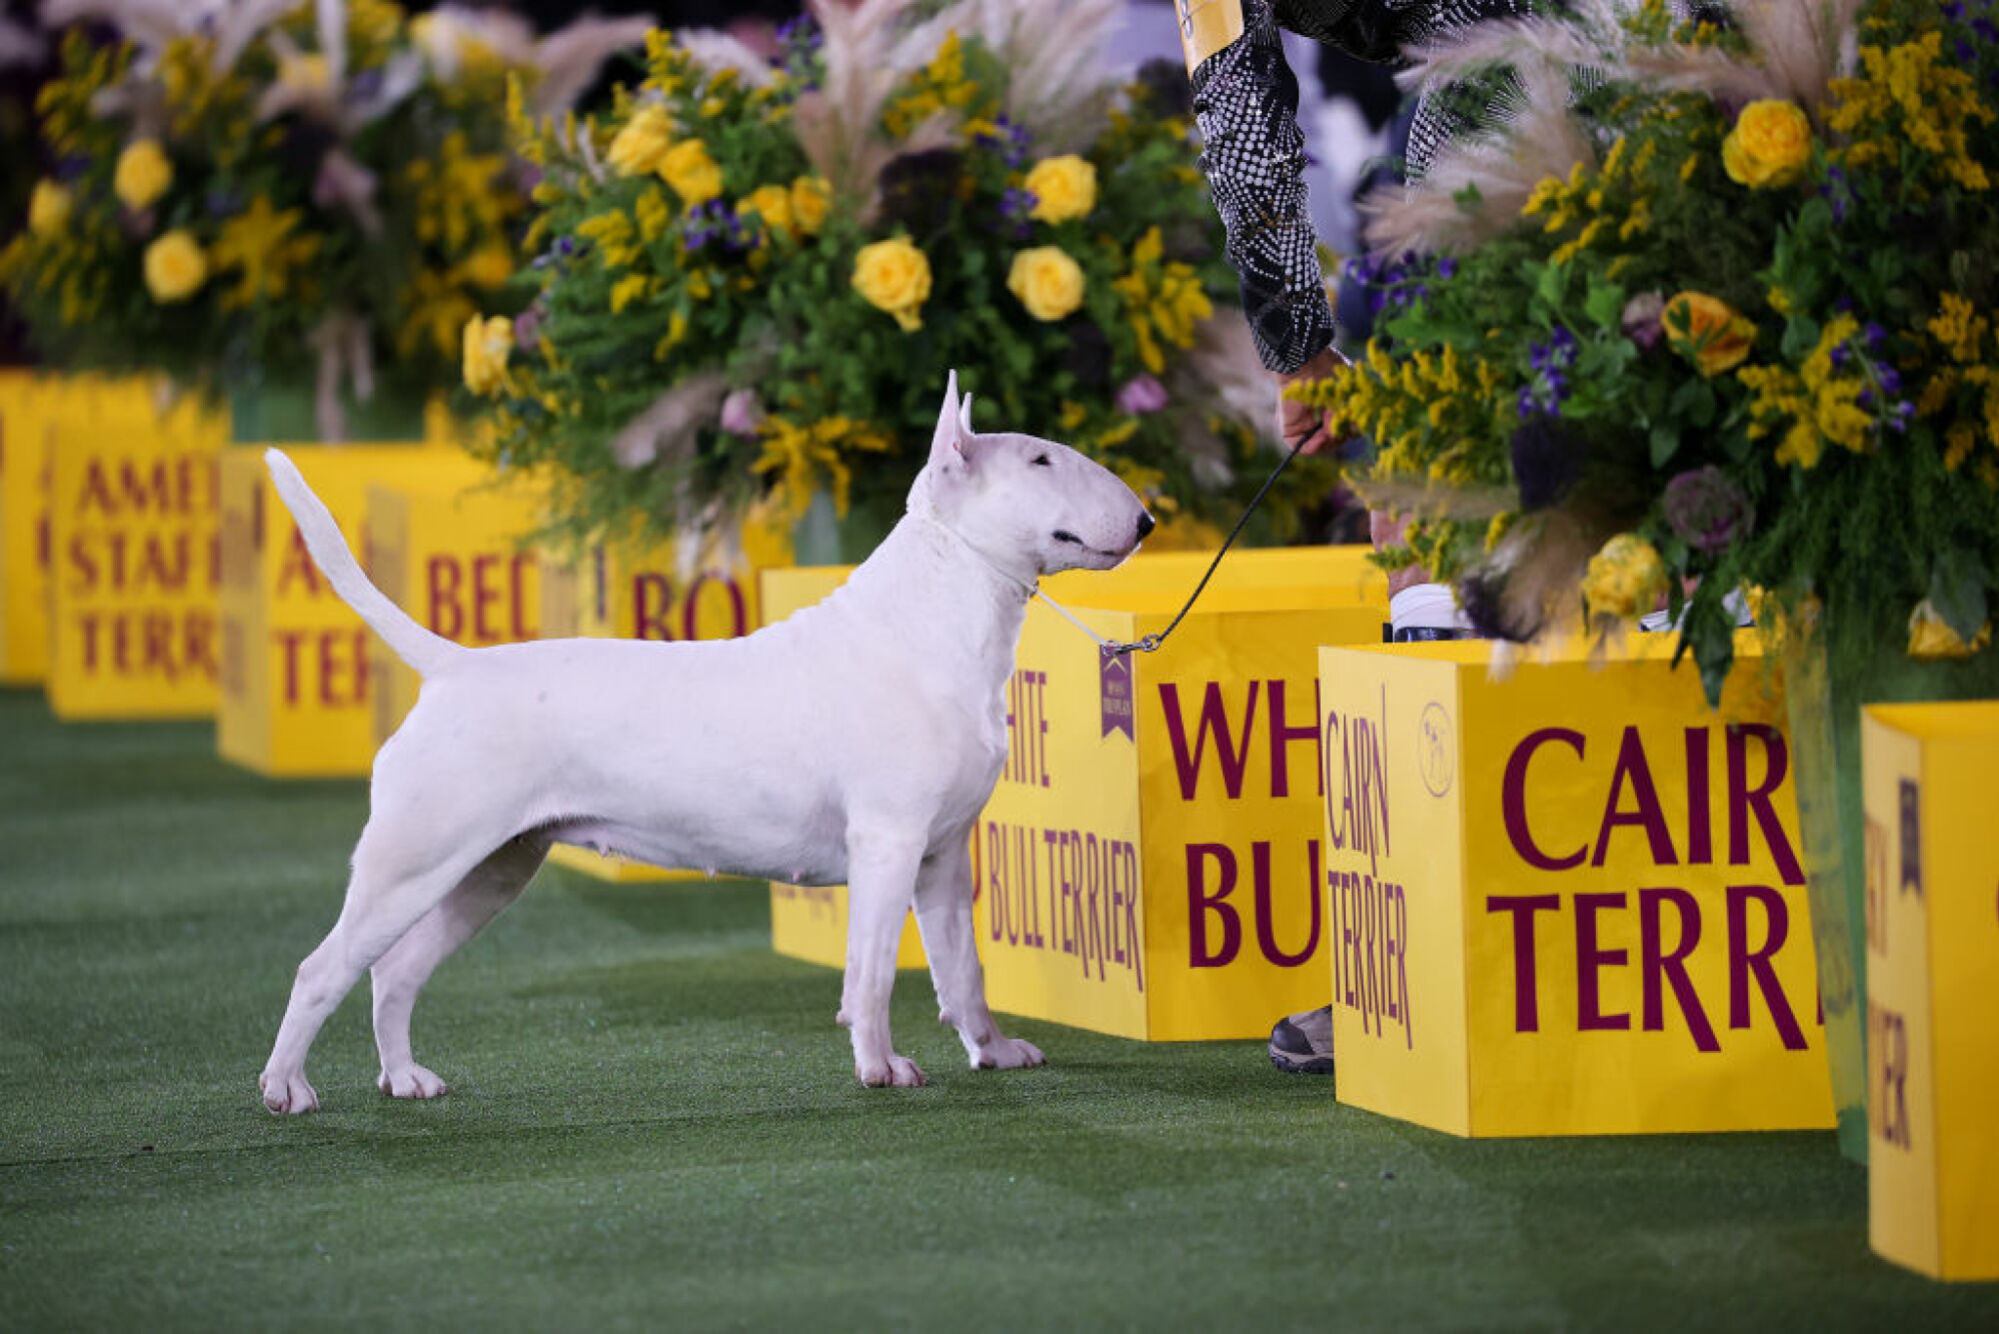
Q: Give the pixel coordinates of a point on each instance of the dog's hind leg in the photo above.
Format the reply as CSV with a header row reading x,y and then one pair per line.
x,y
881,870
944,915
399,975
396,881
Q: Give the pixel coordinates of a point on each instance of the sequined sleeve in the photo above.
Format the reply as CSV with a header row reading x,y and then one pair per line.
x,y
1253,154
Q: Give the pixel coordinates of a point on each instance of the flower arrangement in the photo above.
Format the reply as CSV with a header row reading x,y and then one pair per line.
x,y
1709,307
752,277
272,191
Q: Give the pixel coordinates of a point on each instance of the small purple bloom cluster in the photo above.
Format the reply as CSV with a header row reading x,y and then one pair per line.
x,y
1011,142
717,221
1015,206
1884,381
1983,29
1838,192
1394,283
1550,362
799,40
556,255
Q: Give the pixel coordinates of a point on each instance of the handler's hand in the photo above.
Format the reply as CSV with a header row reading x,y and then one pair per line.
x,y
1296,421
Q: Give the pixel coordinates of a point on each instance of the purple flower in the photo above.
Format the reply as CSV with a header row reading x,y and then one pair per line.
x,y
1549,361
1141,394
1837,192
801,31
799,40
716,221
1010,142
1708,510
741,412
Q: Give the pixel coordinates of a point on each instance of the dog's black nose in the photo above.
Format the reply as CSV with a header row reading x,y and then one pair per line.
x,y
1145,524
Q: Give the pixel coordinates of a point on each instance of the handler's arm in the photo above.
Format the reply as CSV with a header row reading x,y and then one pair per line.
x,y
1253,154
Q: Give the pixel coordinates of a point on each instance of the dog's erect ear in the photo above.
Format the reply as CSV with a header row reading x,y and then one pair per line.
x,y
954,426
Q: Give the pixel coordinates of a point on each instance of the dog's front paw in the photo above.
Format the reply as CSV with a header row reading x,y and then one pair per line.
x,y
896,1072
411,1081
1007,1054
287,1095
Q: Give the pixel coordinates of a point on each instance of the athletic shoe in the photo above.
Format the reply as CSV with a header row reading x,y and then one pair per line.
x,y
1302,1044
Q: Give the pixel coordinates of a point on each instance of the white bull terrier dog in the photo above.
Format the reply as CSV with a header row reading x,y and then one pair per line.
x,y
856,741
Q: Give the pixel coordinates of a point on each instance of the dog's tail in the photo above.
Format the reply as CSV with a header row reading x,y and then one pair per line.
x,y
414,644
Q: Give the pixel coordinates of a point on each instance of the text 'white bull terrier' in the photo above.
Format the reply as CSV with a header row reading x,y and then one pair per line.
x,y
856,741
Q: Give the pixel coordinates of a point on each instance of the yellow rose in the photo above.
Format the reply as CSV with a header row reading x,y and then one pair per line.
x,y
1769,146
1047,281
643,140
142,174
692,174
811,201
49,208
1710,331
772,202
1931,638
1063,188
1625,578
894,276
488,343
175,267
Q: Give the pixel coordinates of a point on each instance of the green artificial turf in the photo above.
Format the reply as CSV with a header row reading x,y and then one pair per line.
x,y
653,1124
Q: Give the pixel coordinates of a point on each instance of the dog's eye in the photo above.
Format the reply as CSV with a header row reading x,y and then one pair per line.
x,y
1042,461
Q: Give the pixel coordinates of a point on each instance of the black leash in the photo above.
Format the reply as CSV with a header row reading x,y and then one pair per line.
x,y
1150,643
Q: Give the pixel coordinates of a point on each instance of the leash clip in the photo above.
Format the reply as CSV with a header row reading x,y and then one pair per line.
x,y
1147,644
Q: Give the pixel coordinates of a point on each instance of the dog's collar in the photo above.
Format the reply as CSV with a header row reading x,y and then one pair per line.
x,y
1032,590
1028,587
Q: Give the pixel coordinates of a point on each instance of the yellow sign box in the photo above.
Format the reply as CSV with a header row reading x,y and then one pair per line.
x,y
633,591
448,549
1148,863
133,552
25,399
1567,900
296,661
1932,939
